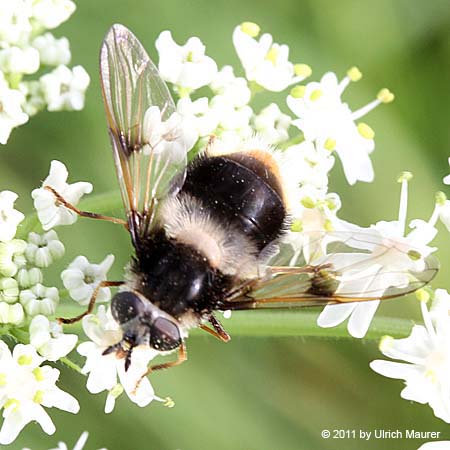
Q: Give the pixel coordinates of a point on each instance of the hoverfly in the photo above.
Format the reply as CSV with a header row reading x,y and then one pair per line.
x,y
204,232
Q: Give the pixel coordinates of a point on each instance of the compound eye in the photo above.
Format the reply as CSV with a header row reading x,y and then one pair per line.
x,y
164,335
125,306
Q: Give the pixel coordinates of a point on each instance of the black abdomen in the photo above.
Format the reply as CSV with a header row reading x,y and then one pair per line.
x,y
241,190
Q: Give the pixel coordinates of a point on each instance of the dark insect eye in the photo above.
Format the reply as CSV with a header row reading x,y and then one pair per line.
x,y
125,306
164,335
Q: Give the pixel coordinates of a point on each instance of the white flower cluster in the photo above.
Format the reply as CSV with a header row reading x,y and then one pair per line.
x,y
324,126
305,148
27,305
26,389
426,356
26,46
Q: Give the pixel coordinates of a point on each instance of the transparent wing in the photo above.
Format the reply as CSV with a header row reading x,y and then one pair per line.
x,y
342,267
143,128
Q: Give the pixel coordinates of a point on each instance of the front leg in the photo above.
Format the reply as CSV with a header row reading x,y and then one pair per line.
x,y
182,356
88,214
91,304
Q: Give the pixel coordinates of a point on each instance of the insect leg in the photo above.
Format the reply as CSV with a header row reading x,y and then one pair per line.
x,y
182,356
91,301
218,331
91,215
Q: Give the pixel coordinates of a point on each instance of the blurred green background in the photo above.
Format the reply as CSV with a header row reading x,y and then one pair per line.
x,y
261,393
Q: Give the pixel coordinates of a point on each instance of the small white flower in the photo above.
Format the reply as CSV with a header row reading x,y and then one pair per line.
x,y
232,140
52,51
10,253
442,209
50,212
81,278
52,13
272,124
232,118
34,97
304,164
315,215
49,340
9,290
446,179
15,25
43,249
426,369
198,115
11,113
26,388
324,118
435,445
234,89
104,370
39,300
440,305
264,61
29,277
173,136
393,262
186,66
19,60
9,217
13,314
64,89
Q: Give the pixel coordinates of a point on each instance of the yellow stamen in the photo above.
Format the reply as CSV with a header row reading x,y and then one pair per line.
x,y
298,91
441,198
250,28
354,73
404,176
386,343
330,144
25,360
38,374
297,226
330,204
315,95
272,54
328,225
3,379
169,403
431,375
385,96
308,202
365,131
423,295
190,57
302,70
12,403
38,397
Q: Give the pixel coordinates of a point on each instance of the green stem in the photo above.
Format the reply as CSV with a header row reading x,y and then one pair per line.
x,y
293,141
304,323
67,362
